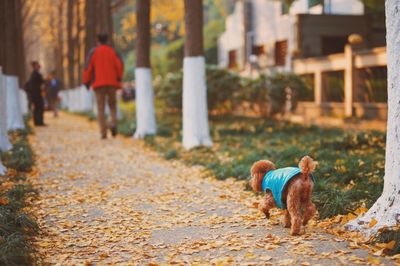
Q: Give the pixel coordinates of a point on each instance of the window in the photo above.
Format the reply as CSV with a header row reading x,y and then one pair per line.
x,y
257,50
333,44
232,59
312,3
281,48
285,8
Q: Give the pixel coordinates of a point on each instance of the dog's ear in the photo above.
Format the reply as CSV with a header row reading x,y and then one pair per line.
x,y
258,171
307,165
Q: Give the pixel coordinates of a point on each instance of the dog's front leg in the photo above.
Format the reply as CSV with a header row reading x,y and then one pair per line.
x,y
287,222
267,204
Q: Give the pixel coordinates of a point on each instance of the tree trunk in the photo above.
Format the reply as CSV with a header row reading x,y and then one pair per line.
x,y
104,19
15,118
145,117
195,116
19,41
5,144
60,42
10,51
70,43
78,44
386,210
90,25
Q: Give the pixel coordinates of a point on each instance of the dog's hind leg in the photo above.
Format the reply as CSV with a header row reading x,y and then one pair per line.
x,y
309,211
293,207
287,222
267,204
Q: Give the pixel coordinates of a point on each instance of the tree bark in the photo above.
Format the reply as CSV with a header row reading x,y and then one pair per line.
x,y
60,41
194,28
195,113
78,43
70,43
5,144
19,39
386,210
143,33
145,116
90,25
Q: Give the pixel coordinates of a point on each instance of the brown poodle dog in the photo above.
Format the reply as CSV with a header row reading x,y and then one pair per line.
x,y
287,188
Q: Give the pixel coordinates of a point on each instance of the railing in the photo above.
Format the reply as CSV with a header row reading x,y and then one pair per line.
x,y
13,105
348,62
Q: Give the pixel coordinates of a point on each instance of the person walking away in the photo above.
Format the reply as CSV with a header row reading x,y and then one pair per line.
x,y
103,72
35,84
53,87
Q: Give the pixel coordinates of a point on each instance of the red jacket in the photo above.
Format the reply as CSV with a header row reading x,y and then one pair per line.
x,y
103,68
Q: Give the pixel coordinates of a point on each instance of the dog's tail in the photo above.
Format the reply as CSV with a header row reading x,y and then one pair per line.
x,y
307,165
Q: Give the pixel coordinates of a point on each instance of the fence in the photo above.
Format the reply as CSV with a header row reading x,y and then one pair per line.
x,y
348,68
13,105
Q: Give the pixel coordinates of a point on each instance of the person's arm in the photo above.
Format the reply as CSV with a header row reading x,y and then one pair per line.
x,y
119,64
89,68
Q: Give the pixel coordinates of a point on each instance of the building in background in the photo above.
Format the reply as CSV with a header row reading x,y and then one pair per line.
x,y
270,35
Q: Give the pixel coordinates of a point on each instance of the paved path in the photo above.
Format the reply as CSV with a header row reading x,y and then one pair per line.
x,y
117,202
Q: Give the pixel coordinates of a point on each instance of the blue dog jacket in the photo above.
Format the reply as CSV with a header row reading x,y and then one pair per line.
x,y
276,180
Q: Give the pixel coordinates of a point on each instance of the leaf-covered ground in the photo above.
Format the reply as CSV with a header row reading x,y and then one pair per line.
x,y
351,161
117,202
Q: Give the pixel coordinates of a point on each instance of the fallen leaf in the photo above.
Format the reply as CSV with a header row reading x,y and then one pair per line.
x,y
372,223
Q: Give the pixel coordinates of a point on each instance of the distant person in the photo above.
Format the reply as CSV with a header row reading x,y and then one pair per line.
x,y
34,85
103,72
53,87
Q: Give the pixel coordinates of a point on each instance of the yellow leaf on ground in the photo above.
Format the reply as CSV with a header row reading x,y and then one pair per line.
x,y
372,223
286,262
373,260
4,201
390,245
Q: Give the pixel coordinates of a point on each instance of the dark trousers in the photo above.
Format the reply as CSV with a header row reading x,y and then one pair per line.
x,y
38,111
106,95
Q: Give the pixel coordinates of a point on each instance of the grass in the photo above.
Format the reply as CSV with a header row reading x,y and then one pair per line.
x,y
16,226
351,163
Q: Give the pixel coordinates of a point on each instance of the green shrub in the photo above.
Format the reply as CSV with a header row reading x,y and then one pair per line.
x,y
225,90
256,93
20,157
277,83
222,87
16,227
169,90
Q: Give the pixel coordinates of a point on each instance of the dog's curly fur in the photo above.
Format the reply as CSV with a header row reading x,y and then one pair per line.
x,y
296,195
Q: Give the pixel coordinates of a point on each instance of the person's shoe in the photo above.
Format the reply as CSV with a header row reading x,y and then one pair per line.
x,y
104,136
41,125
113,131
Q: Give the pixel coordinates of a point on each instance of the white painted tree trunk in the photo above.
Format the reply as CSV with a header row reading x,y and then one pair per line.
x,y
23,99
5,144
145,115
195,112
3,169
14,114
386,210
